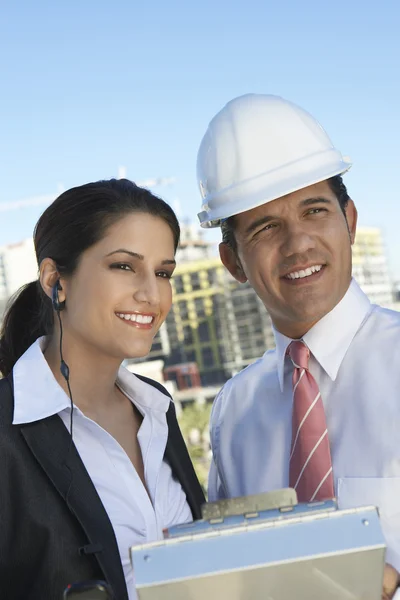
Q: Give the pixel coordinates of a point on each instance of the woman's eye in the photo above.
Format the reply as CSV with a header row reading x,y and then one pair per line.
x,y
164,274
121,267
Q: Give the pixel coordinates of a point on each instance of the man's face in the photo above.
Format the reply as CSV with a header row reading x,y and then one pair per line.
x,y
296,253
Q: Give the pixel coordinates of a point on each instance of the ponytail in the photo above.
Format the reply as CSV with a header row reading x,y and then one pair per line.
x,y
28,316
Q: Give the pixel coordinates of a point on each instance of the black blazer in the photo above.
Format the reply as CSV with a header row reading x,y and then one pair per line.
x,y
54,529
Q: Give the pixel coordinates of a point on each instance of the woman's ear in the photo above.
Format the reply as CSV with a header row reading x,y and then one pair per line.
x,y
48,277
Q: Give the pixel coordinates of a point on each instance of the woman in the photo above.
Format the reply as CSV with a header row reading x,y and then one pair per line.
x,y
91,457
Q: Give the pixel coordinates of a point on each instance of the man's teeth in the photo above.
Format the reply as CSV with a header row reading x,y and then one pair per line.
x,y
145,319
304,272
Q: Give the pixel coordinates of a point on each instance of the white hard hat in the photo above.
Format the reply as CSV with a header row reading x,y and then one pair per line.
x,y
257,149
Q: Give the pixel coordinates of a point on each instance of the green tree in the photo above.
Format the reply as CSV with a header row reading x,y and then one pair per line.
x,y
194,422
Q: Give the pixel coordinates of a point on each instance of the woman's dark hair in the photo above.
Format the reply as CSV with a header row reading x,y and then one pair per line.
x,y
335,183
75,221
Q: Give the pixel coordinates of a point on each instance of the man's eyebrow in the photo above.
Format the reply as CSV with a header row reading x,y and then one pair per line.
x,y
267,218
315,200
168,261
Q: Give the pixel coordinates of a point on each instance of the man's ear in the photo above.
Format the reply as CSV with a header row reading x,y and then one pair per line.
x,y
231,261
351,218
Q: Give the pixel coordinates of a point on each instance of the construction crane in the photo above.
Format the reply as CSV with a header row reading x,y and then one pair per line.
x,y
48,199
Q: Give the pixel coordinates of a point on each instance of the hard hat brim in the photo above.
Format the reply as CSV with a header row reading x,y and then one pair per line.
x,y
270,186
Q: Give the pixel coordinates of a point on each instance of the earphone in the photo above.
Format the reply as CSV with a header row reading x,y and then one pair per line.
x,y
57,305
64,368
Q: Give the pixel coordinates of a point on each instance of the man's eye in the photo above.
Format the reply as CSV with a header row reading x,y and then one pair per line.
x,y
315,211
267,227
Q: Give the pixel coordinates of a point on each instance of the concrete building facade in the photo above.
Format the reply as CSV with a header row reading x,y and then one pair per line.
x,y
17,266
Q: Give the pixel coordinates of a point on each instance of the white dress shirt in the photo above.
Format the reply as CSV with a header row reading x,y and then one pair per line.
x,y
355,359
135,517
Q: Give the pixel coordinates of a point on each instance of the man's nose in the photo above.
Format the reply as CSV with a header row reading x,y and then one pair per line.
x,y
297,240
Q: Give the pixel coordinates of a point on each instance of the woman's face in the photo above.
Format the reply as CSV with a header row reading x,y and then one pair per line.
x,y
120,293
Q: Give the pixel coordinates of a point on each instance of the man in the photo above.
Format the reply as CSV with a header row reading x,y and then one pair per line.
x,y
320,412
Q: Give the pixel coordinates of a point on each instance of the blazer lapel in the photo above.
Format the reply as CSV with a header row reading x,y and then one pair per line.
x,y
49,441
181,465
178,457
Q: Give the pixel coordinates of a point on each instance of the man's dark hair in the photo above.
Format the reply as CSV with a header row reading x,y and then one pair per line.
x,y
335,183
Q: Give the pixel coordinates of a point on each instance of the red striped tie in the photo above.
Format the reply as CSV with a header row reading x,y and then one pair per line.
x,y
310,469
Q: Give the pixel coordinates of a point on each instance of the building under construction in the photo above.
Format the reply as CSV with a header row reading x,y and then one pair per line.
x,y
216,325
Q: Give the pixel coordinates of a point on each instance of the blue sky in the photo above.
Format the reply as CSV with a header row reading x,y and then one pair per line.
x,y
88,85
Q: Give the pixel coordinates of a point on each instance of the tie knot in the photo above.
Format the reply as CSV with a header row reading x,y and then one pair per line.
x,y
299,353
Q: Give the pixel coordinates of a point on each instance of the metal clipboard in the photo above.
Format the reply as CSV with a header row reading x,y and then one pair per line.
x,y
294,552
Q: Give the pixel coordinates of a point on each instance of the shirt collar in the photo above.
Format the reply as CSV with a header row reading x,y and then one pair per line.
x,y
146,397
37,394
332,335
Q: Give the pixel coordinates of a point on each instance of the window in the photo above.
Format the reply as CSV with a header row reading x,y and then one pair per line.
x,y
187,335
195,280
190,356
199,306
211,276
183,310
178,284
208,357
204,332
